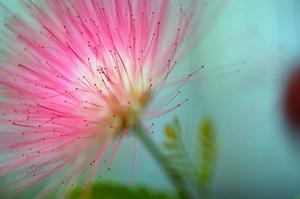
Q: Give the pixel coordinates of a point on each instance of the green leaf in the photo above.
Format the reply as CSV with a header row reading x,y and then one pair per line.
x,y
177,124
115,191
298,197
206,129
170,132
170,145
207,147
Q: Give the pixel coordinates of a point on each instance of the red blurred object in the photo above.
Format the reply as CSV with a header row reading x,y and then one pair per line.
x,y
292,99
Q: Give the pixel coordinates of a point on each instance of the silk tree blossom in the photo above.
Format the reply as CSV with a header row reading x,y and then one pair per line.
x,y
79,73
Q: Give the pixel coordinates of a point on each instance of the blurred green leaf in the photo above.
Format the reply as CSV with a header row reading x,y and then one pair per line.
x,y
115,191
207,146
177,124
170,132
170,145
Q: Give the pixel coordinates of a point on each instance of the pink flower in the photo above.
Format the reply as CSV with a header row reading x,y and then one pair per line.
x,y
78,74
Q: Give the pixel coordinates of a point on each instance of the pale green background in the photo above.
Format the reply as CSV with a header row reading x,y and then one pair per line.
x,y
246,56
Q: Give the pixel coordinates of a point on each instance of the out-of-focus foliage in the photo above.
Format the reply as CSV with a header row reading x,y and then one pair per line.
x,y
171,137
198,174
176,153
207,146
115,191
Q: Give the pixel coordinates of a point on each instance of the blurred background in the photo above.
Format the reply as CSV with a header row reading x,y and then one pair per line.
x,y
249,53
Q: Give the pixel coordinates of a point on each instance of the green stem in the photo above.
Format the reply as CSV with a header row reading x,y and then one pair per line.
x,y
169,170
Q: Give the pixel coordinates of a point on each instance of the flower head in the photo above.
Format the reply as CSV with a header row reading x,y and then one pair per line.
x,y
78,73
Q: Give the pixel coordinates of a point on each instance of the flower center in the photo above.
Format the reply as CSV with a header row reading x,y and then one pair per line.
x,y
126,108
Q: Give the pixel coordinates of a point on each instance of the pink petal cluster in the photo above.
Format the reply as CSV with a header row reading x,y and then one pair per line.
x,y
75,75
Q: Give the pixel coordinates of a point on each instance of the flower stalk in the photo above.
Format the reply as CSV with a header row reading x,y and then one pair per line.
x,y
174,176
